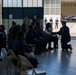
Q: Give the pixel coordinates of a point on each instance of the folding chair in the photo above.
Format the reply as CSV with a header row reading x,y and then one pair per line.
x,y
10,65
24,62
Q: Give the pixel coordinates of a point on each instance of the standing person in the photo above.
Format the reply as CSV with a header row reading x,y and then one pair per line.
x,y
51,21
65,36
56,23
45,20
13,24
26,21
35,19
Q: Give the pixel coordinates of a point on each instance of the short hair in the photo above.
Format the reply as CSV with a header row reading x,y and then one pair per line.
x,y
20,34
13,22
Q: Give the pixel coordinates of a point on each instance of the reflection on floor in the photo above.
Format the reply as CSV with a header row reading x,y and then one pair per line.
x,y
54,62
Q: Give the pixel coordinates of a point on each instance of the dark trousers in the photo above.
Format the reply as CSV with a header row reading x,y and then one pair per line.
x,y
64,45
54,40
0,49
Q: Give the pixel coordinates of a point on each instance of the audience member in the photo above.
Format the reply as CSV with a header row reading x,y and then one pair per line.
x,y
20,48
13,24
51,36
35,19
26,21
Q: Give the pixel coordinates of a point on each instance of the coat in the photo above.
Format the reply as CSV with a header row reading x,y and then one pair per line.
x,y
65,34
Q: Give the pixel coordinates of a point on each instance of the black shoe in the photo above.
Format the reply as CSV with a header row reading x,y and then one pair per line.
x,y
0,58
37,53
50,48
70,47
55,47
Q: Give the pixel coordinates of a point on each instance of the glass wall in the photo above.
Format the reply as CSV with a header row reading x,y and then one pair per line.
x,y
20,3
52,7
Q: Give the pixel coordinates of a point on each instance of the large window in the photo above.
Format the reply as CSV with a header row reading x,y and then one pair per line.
x,y
52,7
12,3
5,3
30,3
26,3
35,3
9,3
0,1
39,3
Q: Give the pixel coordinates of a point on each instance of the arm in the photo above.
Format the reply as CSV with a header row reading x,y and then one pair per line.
x,y
59,32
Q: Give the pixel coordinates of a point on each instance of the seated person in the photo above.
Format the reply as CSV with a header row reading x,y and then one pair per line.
x,y
52,37
19,48
12,35
40,35
38,43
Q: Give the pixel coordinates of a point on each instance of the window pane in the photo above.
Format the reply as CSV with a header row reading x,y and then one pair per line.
x,y
19,3
9,3
53,11
35,3
24,3
15,3
5,3
0,1
39,3
30,3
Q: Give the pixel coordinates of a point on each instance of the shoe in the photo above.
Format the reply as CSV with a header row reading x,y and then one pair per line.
x,y
37,53
0,58
50,48
64,49
55,47
70,47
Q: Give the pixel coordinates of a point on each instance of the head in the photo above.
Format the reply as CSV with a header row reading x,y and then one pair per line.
x,y
0,28
37,25
21,35
63,23
31,27
48,26
23,26
15,30
13,23
35,16
3,28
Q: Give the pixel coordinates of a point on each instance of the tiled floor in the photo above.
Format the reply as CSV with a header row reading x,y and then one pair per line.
x,y
54,62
